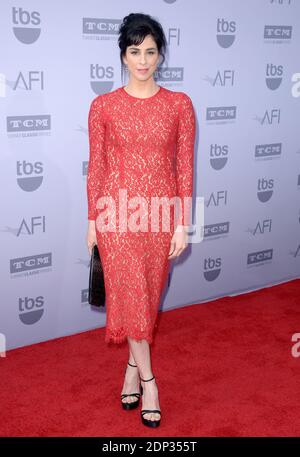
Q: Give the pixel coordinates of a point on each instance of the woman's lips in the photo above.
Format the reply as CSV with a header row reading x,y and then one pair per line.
x,y
144,70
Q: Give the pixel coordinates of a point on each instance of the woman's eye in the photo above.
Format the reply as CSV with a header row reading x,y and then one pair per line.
x,y
135,52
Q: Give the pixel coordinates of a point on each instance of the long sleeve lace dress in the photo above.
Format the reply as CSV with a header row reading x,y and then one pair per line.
x,y
140,148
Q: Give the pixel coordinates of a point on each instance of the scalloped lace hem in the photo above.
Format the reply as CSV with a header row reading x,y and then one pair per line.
x,y
121,336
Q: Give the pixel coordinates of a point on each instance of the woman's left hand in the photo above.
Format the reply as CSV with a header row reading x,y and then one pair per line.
x,y
178,241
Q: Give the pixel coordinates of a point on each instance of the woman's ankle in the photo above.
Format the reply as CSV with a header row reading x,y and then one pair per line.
x,y
147,378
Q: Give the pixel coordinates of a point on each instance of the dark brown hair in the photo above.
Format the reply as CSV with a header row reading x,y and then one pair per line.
x,y
134,28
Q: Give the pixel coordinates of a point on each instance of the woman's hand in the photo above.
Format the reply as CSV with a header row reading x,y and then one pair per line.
x,y
91,238
178,241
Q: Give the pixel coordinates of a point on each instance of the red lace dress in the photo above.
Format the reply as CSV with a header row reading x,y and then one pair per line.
x,y
140,148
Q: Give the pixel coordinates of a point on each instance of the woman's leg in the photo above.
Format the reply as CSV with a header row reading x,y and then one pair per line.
x,y
131,358
131,381
140,350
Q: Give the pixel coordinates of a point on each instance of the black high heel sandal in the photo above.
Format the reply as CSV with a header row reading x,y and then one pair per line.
x,y
149,422
132,404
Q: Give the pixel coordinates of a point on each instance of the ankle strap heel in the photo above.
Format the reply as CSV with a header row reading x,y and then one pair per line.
x,y
146,380
132,404
149,422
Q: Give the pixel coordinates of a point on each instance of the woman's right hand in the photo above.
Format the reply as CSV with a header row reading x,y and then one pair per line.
x,y
91,237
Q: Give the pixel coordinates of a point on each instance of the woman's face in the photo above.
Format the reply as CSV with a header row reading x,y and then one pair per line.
x,y
144,56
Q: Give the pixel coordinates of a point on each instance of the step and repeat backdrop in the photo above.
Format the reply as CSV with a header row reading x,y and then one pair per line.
x,y
239,63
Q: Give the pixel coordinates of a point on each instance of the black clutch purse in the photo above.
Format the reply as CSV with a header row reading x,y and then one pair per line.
x,y
96,279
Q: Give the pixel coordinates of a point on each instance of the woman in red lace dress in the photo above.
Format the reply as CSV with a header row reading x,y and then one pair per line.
x,y
141,147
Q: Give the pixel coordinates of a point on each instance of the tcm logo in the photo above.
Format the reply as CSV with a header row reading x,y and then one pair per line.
x,y
273,76
31,309
267,151
265,189
218,156
29,175
278,32
212,268
30,263
296,347
221,114
216,230
23,25
169,74
225,32
28,123
255,258
100,28
281,2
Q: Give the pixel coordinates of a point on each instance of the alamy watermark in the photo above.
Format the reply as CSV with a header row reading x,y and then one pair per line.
x,y
145,216
295,350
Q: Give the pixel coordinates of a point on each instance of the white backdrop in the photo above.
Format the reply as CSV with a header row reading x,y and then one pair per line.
x,y
239,63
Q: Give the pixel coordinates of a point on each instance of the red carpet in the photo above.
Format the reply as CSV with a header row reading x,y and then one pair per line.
x,y
223,368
